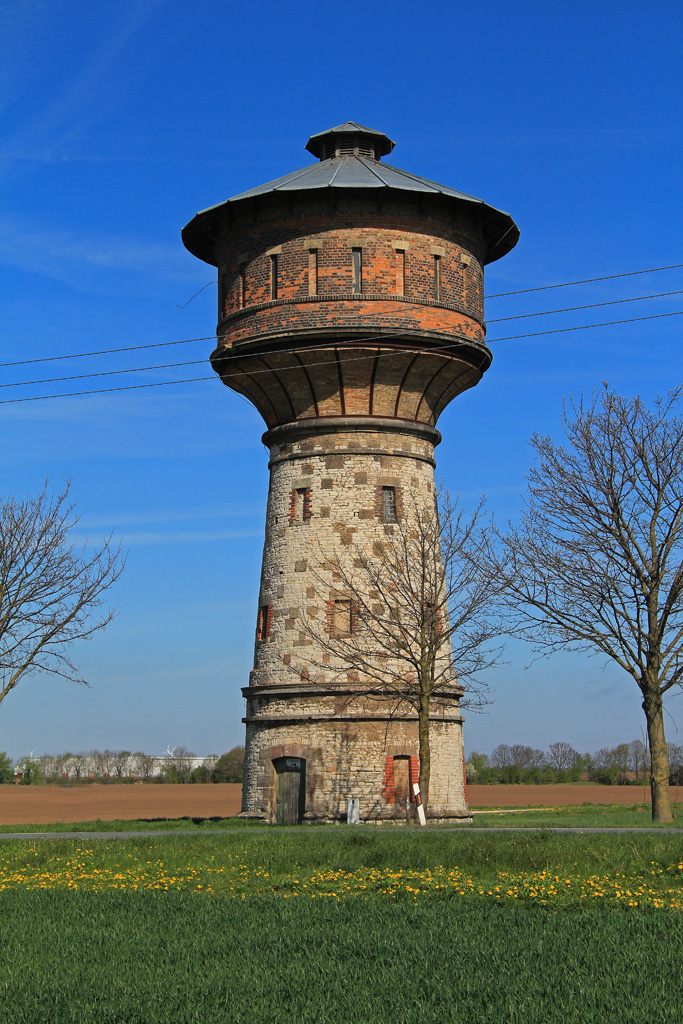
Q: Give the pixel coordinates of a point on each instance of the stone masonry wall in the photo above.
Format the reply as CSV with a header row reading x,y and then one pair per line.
x,y
349,759
325,503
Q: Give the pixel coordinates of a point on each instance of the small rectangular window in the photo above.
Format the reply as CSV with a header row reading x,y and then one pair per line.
x,y
265,614
389,504
303,504
357,255
437,277
342,618
300,505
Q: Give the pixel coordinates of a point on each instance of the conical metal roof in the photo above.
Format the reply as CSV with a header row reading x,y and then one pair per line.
x,y
354,172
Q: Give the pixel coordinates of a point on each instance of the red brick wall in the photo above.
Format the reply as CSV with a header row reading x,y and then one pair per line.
x,y
379,235
313,239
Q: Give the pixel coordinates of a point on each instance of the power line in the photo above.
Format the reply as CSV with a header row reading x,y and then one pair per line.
x,y
105,391
108,351
301,365
592,305
203,288
102,373
587,280
211,337
585,327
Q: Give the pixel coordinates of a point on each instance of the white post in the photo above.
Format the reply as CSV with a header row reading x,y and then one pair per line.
x,y
418,801
352,811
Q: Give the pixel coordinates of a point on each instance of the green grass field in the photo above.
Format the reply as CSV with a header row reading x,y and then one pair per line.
x,y
172,958
354,926
579,816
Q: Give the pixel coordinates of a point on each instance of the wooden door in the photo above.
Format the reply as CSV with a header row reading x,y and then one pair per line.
x,y
290,790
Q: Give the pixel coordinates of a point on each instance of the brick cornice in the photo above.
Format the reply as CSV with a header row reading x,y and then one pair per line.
x,y
315,427
296,300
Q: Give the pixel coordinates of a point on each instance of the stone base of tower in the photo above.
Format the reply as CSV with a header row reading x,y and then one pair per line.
x,y
303,761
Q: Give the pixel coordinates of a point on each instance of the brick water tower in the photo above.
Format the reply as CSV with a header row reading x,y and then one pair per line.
x,y
350,313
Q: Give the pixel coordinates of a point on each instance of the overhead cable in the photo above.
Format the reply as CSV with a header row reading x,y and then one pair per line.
x,y
584,327
299,365
587,280
592,305
211,337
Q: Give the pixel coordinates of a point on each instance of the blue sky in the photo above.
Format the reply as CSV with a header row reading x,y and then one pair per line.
x,y
122,120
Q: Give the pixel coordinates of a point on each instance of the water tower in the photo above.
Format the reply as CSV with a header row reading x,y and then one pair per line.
x,y
350,313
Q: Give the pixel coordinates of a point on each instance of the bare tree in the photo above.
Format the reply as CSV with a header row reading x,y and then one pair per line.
x,y
638,755
49,587
527,757
413,621
676,763
178,766
562,757
518,756
103,761
47,765
611,764
143,764
121,763
501,756
597,562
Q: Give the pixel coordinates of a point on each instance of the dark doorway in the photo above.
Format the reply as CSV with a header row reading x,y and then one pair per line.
x,y
290,790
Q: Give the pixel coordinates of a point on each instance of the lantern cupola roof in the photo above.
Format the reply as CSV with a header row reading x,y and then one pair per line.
x,y
350,139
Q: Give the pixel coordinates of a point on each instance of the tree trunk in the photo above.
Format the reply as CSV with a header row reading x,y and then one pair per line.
x,y
659,755
425,753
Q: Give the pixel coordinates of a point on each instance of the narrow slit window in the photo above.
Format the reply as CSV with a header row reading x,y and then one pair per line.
x,y
273,277
357,256
342,618
243,284
221,296
389,504
400,271
437,277
265,614
312,271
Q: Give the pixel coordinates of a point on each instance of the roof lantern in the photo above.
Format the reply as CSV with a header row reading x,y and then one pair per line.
x,y
350,139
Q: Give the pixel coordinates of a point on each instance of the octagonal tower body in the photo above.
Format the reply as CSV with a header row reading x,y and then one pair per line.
x,y
350,313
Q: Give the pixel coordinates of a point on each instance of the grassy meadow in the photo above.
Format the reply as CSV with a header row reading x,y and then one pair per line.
x,y
579,816
343,925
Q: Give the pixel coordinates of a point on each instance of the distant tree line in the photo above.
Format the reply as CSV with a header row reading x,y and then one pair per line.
x,y
621,765
181,766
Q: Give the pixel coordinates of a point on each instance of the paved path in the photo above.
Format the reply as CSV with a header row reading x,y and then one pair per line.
x,y
307,830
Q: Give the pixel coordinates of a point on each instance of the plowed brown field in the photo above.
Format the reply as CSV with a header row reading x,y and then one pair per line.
x,y
40,805
558,795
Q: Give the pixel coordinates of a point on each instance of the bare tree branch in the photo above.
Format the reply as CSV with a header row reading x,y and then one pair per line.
x,y
421,633
596,563
49,588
